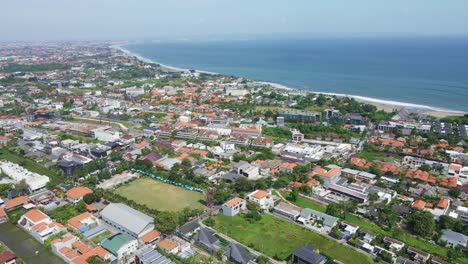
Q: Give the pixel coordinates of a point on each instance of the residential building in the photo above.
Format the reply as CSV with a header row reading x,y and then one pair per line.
x,y
87,224
237,254
297,115
418,255
234,206
7,258
309,216
127,219
328,175
148,255
206,238
250,171
3,216
169,246
393,244
307,255
39,225
287,210
454,239
15,203
76,194
264,199
72,250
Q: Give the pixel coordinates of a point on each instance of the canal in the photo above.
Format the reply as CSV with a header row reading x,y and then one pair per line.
x,y
25,246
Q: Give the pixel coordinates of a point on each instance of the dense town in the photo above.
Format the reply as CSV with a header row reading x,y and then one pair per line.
x,y
107,158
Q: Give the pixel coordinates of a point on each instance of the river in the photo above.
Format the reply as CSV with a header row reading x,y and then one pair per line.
x,y
25,246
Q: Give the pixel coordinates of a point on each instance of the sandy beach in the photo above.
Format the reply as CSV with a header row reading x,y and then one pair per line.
x,y
385,105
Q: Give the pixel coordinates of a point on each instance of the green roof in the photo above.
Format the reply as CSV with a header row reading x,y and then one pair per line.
x,y
115,242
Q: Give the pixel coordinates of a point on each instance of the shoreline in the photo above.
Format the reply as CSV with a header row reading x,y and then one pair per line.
x,y
381,104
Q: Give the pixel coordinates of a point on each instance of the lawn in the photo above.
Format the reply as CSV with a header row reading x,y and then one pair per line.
x,y
373,156
97,239
366,224
160,196
278,238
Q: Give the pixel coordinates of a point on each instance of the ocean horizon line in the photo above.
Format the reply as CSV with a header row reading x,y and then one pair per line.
x,y
378,101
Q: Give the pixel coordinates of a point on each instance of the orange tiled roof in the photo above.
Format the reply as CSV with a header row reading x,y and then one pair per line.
x,y
389,167
454,166
419,204
35,215
259,194
16,201
81,247
78,192
392,142
76,221
150,236
295,184
233,202
141,145
311,182
288,166
449,182
98,251
362,163
327,174
443,203
68,253
167,244
421,175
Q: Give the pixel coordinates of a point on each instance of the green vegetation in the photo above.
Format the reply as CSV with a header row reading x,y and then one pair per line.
x,y
373,156
160,196
396,233
277,238
4,188
63,213
97,239
10,68
55,178
277,133
456,119
132,72
15,215
304,203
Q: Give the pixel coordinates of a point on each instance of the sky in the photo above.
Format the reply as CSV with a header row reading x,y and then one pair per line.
x,y
25,20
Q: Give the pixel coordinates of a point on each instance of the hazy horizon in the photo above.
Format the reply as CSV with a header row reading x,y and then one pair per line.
x,y
43,20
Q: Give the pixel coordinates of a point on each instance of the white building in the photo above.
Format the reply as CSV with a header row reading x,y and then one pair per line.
x,y
264,199
106,134
234,206
248,170
17,173
127,219
120,245
39,225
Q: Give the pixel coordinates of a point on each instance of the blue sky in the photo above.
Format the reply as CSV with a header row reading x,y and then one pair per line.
x,y
155,19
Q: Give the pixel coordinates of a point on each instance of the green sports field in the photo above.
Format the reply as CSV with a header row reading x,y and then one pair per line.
x,y
160,196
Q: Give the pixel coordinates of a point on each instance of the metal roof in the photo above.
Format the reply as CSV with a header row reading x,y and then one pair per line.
x,y
127,217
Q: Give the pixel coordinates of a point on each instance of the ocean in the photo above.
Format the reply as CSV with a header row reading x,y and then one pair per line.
x,y
426,72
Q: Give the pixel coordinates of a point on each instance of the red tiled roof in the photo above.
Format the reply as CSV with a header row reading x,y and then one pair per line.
x,y
78,192
16,202
443,203
35,215
233,202
150,236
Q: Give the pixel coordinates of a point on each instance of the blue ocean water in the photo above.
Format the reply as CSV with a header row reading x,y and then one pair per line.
x,y
424,71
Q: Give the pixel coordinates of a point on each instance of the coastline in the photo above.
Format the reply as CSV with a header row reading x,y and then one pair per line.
x,y
381,104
